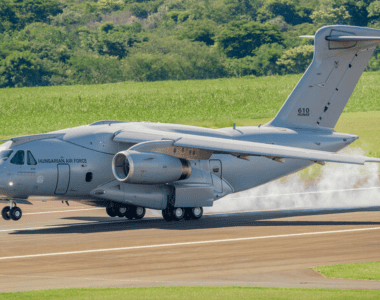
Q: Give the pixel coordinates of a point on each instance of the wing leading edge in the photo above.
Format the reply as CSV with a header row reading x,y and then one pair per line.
x,y
234,147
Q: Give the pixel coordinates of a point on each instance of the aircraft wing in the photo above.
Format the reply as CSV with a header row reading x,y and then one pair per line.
x,y
152,140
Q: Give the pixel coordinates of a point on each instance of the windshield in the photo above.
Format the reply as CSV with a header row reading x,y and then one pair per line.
x,y
5,154
18,158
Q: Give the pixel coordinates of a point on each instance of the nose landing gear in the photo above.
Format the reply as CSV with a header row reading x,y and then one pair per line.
x,y
11,212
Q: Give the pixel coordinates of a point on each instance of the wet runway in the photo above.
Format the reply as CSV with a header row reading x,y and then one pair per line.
x,y
59,246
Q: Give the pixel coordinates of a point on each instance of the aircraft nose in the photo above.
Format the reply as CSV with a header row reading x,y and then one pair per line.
x,y
6,183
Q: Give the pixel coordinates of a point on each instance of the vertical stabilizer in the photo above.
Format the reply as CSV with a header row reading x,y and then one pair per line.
x,y
341,54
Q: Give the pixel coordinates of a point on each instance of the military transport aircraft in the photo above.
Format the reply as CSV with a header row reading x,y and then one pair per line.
x,y
128,167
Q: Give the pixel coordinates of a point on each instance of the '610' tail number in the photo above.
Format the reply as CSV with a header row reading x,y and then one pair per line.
x,y
303,112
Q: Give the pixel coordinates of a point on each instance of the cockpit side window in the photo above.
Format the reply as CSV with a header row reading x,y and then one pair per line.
x,y
5,154
30,159
18,158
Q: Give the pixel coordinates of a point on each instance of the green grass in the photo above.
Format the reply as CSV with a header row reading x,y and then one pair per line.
x,y
43,109
367,271
184,293
209,103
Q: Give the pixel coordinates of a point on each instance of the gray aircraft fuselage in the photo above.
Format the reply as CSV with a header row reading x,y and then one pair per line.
x,y
90,149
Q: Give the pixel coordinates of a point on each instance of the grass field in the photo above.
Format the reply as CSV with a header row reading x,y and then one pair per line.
x,y
183,293
366,271
209,103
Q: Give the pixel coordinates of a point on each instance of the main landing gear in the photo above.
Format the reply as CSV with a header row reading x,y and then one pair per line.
x,y
130,212
179,213
11,212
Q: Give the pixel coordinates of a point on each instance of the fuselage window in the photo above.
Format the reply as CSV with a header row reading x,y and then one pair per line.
x,y
18,158
30,159
89,177
5,154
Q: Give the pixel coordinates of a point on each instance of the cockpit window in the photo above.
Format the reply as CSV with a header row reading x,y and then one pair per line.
x,y
30,159
5,154
18,158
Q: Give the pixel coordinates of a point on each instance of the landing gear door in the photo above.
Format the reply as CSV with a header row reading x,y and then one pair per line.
x,y
216,174
63,179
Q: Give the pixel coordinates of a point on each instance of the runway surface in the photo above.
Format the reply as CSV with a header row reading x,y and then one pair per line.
x,y
59,246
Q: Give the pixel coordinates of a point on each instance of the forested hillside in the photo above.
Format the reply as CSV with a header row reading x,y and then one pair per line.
x,y
61,42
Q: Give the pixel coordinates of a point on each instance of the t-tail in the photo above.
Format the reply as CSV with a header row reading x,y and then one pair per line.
x,y
341,54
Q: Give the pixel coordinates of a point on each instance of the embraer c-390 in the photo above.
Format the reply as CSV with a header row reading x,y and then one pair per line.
x,y
128,167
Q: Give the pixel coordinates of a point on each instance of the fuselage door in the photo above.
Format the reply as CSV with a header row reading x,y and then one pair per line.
x,y
216,171
63,179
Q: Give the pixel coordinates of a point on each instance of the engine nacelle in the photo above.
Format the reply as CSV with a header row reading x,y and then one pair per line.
x,y
149,167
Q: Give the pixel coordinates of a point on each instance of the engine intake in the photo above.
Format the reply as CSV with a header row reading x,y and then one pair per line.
x,y
149,167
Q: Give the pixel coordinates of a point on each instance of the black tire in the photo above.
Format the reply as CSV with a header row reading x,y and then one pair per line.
x,y
121,211
15,213
196,213
178,213
139,212
188,214
130,213
167,215
5,213
111,211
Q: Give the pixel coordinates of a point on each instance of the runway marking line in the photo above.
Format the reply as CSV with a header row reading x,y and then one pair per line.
x,y
189,243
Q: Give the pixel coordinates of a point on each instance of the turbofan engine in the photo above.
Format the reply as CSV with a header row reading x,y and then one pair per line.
x,y
149,167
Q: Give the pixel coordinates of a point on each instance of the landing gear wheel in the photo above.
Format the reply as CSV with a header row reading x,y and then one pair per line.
x,y
129,213
196,213
139,212
167,214
188,214
15,213
111,211
121,211
5,213
178,213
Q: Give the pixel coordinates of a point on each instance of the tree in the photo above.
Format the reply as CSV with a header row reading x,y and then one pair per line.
x,y
266,57
87,68
110,5
374,10
30,11
296,60
22,69
329,15
107,26
199,31
284,8
8,17
240,38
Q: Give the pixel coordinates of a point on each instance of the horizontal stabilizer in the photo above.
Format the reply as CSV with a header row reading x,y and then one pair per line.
x,y
350,38
343,38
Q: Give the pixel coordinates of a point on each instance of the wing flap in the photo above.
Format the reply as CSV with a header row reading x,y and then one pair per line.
x,y
259,149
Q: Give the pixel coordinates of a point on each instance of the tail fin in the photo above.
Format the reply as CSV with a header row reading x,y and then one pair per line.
x,y
341,54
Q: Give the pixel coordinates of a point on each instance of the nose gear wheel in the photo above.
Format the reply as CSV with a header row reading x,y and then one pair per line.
x,y
5,213
15,213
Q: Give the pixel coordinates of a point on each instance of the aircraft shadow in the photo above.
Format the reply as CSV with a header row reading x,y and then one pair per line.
x,y
223,220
